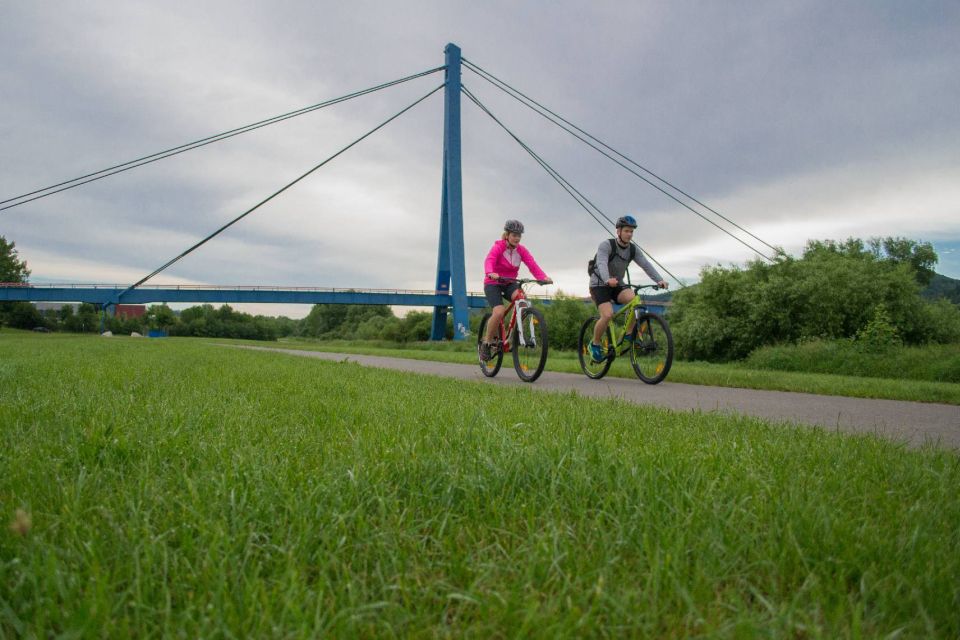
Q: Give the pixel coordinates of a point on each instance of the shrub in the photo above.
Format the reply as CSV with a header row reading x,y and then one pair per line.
x,y
831,292
564,316
879,334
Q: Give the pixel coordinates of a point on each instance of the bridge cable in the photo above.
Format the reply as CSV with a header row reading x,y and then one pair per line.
x,y
160,155
278,192
540,109
565,184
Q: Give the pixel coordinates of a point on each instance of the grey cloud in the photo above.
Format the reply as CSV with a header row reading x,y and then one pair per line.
x,y
723,99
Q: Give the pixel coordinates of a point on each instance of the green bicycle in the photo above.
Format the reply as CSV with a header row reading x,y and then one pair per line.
x,y
649,342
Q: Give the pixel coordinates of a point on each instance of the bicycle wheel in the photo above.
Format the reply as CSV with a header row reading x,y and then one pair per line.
x,y
591,369
652,352
529,358
489,367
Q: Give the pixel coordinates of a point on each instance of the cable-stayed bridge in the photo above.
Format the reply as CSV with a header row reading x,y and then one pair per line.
x,y
450,292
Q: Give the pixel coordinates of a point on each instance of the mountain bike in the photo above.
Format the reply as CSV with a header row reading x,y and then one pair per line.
x,y
525,336
634,329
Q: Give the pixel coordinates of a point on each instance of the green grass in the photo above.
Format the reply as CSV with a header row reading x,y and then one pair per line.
x,y
934,363
723,375
179,489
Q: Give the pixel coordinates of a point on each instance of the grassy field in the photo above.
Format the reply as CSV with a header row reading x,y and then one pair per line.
x,y
722,375
167,487
935,363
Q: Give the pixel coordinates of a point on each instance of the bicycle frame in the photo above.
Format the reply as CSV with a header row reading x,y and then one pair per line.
x,y
621,319
518,303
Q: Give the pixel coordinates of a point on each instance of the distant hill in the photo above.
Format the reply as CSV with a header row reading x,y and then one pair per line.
x,y
943,287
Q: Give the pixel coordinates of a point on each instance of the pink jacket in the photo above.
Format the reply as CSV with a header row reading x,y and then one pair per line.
x,y
505,262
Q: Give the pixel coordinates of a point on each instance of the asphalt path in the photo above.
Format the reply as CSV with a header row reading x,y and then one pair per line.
x,y
913,423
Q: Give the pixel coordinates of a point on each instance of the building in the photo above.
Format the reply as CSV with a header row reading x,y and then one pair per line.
x,y
128,311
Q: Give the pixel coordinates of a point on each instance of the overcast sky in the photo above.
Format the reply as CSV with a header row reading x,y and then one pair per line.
x,y
798,120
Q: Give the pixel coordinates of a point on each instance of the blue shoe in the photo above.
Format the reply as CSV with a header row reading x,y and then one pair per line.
x,y
596,352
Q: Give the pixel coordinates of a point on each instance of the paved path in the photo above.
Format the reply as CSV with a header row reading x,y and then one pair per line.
x,y
912,422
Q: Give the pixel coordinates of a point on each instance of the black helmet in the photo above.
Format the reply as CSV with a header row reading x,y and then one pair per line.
x,y
626,221
513,226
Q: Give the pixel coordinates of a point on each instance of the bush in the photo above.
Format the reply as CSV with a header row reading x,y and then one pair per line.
x,y
831,292
23,315
564,316
939,321
878,335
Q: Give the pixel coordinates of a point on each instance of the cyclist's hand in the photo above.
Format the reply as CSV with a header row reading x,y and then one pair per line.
x,y
612,282
663,284
493,276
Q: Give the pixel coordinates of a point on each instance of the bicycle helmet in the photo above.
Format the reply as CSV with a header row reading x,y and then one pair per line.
x,y
513,226
626,221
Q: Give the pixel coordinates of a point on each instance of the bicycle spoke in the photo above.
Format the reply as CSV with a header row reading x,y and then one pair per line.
x,y
530,354
593,368
652,352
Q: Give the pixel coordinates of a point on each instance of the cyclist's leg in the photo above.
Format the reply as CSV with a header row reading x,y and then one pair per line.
x,y
601,297
496,317
623,297
508,292
606,313
494,295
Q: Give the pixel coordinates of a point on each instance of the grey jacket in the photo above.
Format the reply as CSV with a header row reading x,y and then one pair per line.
x,y
617,267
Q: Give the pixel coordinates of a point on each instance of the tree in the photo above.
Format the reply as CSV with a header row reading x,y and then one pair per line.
x,y
85,319
920,256
160,316
341,320
324,319
832,291
23,315
12,268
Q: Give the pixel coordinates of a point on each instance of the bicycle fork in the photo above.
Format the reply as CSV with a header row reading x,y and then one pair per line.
x,y
521,305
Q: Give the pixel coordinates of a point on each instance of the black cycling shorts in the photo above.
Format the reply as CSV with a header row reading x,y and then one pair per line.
x,y
495,293
606,294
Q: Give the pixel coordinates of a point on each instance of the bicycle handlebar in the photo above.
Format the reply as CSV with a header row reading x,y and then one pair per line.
x,y
522,281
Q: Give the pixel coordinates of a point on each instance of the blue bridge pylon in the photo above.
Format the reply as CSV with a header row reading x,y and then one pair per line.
x,y
451,273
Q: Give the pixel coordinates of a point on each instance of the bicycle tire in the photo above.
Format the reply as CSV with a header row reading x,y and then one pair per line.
x,y
652,353
591,369
489,367
529,365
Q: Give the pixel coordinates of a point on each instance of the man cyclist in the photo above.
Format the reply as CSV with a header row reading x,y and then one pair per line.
x,y
606,279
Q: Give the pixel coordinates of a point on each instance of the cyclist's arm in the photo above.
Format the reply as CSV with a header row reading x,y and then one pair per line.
x,y
528,260
603,261
641,260
490,262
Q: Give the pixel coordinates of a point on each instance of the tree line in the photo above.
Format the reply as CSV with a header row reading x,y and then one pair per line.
x,y
879,291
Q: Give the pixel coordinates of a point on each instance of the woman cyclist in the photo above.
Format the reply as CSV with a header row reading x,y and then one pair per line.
x,y
503,261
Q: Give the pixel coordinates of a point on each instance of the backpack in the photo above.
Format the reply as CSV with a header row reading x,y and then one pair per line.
x,y
592,265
